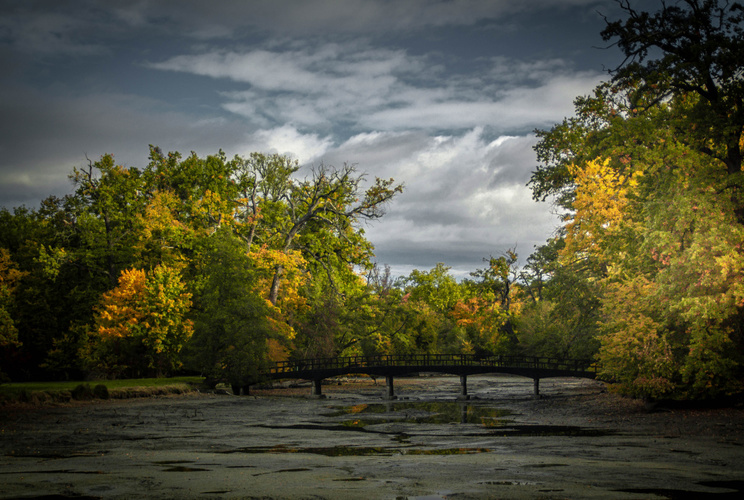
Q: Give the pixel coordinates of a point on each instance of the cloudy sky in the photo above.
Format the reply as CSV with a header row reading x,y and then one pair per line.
x,y
442,95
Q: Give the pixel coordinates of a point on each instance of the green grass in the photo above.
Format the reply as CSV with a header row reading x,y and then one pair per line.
x,y
15,388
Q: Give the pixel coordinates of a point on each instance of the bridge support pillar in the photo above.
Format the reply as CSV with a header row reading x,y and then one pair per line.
x,y
390,393
317,391
463,387
536,387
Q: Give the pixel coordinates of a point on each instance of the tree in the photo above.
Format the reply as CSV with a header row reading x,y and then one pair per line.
x,y
649,174
108,269
436,287
141,325
494,289
9,276
538,270
485,326
231,322
55,291
330,202
563,319
690,47
104,207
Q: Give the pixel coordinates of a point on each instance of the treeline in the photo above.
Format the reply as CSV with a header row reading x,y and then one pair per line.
x,y
218,266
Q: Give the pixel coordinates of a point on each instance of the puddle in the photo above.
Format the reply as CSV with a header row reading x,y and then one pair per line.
x,y
331,451
507,483
435,412
738,486
54,497
59,471
550,430
358,451
183,468
301,469
425,497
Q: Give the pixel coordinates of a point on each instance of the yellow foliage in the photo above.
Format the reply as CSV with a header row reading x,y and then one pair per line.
x,y
215,209
599,206
277,351
161,231
483,321
119,311
147,309
291,301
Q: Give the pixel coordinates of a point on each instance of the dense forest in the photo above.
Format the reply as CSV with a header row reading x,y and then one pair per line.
x,y
218,266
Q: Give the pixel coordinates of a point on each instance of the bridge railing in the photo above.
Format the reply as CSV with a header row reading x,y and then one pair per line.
x,y
424,361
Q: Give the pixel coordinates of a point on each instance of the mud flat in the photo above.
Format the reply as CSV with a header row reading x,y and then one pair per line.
x,y
576,441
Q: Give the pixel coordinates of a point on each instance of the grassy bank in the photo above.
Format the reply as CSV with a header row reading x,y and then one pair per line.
x,y
60,392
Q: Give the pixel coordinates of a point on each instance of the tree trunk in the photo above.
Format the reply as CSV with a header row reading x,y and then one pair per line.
x,y
274,291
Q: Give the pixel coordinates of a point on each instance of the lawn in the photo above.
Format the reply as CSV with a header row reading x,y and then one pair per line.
x,y
25,391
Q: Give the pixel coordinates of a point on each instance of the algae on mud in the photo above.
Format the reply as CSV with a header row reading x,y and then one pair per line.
x,y
578,441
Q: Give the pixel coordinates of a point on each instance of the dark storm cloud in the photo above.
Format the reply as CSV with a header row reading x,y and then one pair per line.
x,y
440,95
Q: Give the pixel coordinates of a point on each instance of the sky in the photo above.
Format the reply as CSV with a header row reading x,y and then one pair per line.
x,y
441,95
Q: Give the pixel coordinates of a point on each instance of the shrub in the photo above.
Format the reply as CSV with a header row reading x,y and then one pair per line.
x,y
82,392
101,391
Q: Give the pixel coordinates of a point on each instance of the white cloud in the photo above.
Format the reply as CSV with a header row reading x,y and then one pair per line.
x,y
287,140
380,89
507,109
465,197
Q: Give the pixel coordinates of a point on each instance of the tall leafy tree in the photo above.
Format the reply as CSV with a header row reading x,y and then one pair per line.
x,y
649,173
106,201
9,276
231,321
688,47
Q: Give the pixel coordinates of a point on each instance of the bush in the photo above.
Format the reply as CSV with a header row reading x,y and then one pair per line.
x,y
82,392
101,391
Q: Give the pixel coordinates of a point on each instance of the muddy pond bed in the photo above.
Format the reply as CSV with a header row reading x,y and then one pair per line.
x,y
576,441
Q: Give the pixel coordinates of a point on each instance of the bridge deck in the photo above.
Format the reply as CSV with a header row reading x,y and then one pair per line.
x,y
457,364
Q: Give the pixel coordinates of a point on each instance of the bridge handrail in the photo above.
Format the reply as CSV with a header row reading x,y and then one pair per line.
x,y
433,360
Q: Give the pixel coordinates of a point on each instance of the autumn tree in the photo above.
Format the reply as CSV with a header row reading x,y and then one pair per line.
x,y
487,312
9,276
141,325
689,48
327,208
103,209
303,241
649,176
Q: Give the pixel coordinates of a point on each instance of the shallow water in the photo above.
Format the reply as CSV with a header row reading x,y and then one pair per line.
x,y
577,442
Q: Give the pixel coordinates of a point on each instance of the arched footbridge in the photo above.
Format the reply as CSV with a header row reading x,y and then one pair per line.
x,y
391,366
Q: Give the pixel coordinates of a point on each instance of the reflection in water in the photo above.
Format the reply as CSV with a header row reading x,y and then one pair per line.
x,y
434,412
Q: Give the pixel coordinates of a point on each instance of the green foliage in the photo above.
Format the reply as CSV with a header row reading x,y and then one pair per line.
x,y
436,288
689,48
649,173
141,325
231,324
70,314
564,323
